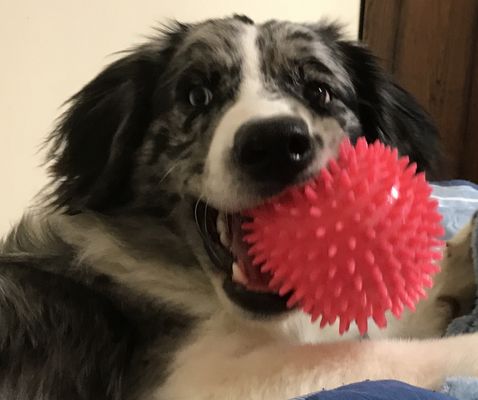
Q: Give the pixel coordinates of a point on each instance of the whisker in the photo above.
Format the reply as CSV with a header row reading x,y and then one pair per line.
x,y
205,217
168,172
205,234
228,226
196,216
196,211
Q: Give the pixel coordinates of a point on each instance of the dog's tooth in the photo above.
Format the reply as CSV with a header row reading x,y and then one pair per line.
x,y
220,226
222,230
238,275
224,239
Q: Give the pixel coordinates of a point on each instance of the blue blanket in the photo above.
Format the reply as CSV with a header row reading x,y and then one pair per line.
x,y
377,390
457,200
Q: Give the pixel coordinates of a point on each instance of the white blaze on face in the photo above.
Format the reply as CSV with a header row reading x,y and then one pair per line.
x,y
221,186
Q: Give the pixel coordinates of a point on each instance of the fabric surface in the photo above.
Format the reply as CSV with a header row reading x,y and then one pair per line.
x,y
457,201
377,390
462,388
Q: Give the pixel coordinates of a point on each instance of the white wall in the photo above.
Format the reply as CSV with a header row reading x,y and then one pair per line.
x,y
50,48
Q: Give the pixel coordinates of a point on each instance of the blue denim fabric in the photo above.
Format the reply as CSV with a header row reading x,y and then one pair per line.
x,y
377,390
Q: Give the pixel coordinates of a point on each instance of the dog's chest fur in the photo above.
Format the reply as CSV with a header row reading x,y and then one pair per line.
x,y
223,352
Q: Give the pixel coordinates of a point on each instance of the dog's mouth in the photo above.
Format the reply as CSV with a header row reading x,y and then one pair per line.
x,y
244,283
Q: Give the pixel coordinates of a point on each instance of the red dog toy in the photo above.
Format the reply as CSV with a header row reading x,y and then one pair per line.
x,y
355,242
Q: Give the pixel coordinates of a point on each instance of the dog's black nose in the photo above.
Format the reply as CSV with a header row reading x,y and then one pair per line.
x,y
274,151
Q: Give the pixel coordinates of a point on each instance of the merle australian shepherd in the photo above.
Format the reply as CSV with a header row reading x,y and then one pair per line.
x,y
126,285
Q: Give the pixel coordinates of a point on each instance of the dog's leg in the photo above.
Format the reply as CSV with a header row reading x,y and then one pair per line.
x,y
232,366
452,295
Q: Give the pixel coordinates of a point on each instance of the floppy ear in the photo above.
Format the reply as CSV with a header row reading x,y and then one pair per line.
x,y
389,113
95,139
94,143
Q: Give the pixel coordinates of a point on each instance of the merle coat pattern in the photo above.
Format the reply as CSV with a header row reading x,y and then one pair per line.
x,y
110,290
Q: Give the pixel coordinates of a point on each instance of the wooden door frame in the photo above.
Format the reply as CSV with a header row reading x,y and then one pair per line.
x,y
431,47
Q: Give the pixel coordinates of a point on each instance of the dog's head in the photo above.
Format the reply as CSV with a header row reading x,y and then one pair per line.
x,y
217,116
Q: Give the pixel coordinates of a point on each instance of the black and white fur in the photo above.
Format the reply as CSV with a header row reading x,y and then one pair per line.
x,y
111,292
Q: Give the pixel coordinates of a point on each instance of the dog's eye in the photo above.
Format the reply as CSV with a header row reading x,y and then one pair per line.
x,y
318,94
200,96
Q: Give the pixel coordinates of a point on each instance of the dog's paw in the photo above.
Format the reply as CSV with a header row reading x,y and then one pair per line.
x,y
452,295
455,283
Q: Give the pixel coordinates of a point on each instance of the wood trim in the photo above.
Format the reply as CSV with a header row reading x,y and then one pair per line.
x,y
382,34
430,47
469,167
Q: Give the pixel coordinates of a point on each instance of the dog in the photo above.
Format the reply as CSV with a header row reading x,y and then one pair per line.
x,y
131,280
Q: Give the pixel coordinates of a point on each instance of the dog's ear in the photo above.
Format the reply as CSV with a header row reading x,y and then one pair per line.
x,y
93,146
96,137
389,113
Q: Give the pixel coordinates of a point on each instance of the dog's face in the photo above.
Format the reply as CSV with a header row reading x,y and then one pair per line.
x,y
219,116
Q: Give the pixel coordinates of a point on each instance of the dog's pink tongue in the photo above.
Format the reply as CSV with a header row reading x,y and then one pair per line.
x,y
256,280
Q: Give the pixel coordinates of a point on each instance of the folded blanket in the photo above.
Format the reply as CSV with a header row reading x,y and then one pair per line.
x,y
457,201
462,388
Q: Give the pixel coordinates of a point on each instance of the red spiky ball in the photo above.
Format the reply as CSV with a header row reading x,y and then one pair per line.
x,y
360,239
